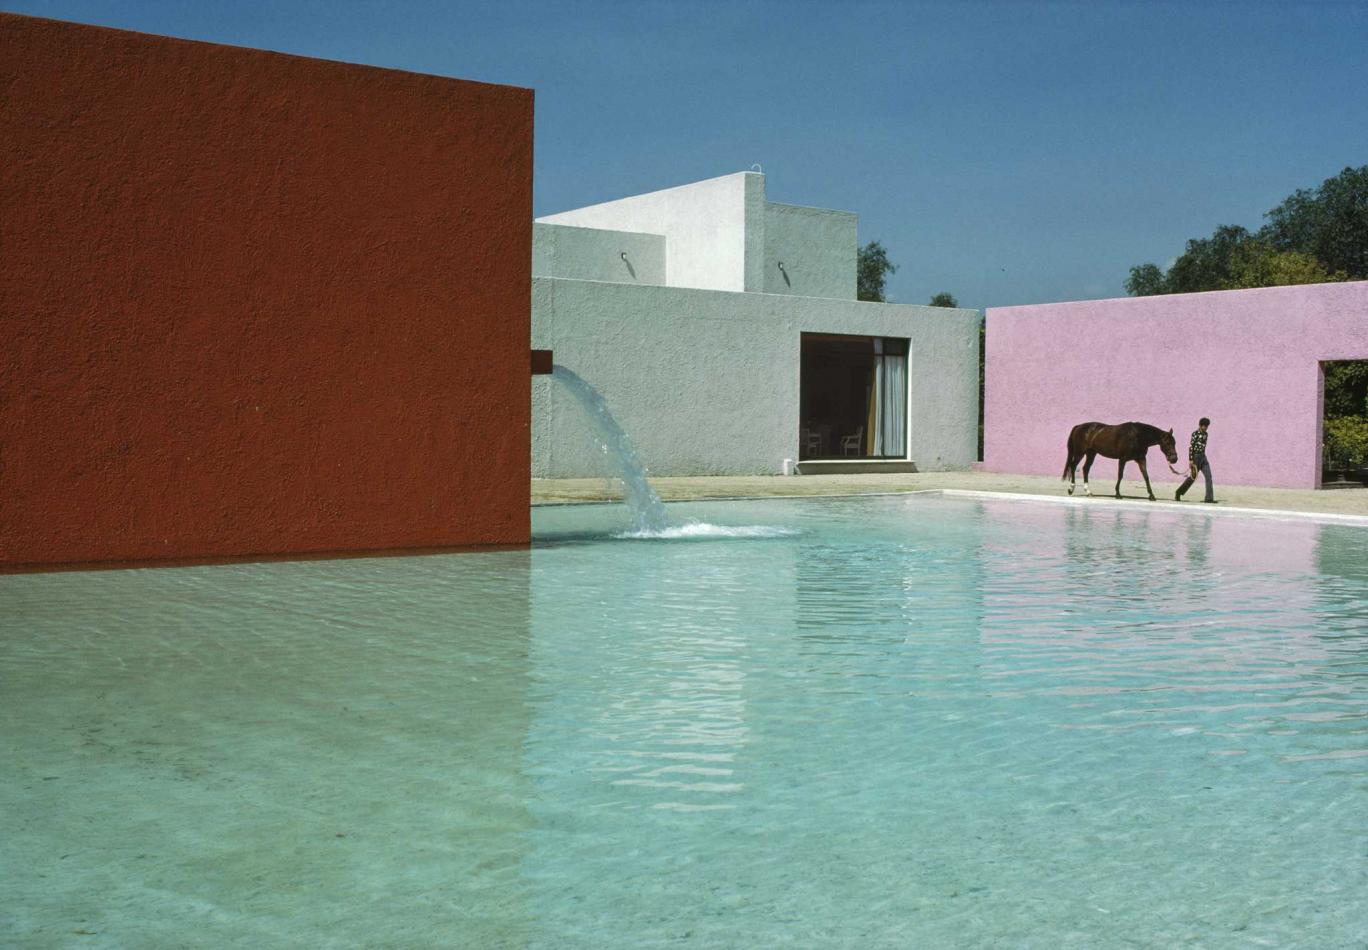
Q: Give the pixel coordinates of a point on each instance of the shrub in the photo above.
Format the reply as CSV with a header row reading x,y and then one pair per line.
x,y
1346,441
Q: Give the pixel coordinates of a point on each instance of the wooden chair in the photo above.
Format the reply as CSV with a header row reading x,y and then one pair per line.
x,y
812,442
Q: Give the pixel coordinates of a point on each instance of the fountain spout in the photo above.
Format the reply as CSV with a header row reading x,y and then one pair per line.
x,y
648,513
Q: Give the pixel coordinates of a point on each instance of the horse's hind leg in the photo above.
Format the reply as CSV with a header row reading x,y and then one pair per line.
x,y
1087,467
1120,467
1069,468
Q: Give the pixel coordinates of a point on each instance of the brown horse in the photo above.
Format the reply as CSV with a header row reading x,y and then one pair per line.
x,y
1127,442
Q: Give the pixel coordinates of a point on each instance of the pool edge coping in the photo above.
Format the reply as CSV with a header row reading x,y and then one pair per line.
x,y
1194,507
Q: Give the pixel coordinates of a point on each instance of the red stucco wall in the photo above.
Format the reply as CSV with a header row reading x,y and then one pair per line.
x,y
255,304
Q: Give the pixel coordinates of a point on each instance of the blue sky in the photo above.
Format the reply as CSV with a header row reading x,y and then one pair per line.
x,y
1008,153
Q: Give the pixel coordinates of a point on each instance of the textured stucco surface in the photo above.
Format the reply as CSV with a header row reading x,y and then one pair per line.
x,y
1247,359
254,303
707,382
707,242
817,248
593,254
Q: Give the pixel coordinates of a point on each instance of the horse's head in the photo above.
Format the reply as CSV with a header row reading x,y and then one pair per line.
x,y
1168,447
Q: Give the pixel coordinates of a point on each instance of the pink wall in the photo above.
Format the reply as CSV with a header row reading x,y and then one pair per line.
x,y
1248,359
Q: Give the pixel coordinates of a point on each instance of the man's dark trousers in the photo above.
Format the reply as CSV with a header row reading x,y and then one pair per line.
x,y
1205,469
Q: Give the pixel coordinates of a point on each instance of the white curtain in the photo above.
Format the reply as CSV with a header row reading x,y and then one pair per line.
x,y
877,400
890,402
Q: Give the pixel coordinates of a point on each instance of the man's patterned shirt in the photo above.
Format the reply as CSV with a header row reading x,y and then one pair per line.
x,y
1197,447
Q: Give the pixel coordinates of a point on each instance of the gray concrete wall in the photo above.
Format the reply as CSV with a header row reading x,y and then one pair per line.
x,y
593,254
707,241
816,247
706,382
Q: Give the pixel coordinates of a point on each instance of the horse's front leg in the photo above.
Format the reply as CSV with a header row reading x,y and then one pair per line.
x,y
1087,467
1120,467
1144,470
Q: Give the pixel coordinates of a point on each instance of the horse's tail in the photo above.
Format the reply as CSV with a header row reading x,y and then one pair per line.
x,y
1071,462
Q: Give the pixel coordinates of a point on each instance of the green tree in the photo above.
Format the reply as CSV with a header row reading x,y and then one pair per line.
x,y
1329,223
943,299
872,267
1146,280
1346,388
1346,442
1313,236
1208,263
1231,259
1259,264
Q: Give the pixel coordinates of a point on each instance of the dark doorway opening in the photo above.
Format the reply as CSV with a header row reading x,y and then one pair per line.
x,y
852,397
1344,424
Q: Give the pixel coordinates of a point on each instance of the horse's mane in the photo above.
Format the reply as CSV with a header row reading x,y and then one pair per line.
x,y
1148,430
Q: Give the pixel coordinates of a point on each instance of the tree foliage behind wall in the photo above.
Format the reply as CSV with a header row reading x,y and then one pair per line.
x,y
1313,236
1231,259
1328,224
872,268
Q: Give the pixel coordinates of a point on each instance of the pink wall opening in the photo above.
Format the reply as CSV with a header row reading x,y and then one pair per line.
x,y
1247,359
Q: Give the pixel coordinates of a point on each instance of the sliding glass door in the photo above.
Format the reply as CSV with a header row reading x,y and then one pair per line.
x,y
853,397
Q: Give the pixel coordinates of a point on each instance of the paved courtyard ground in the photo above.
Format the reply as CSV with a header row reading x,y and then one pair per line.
x,y
1350,501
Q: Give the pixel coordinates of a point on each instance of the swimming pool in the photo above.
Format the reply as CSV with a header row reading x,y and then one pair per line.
x,y
870,722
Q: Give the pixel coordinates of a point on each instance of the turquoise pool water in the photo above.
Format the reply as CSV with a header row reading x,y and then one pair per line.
x,y
878,722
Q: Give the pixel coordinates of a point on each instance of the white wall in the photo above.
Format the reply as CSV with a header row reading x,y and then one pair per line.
x,y
706,382
592,254
817,248
719,234
707,242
